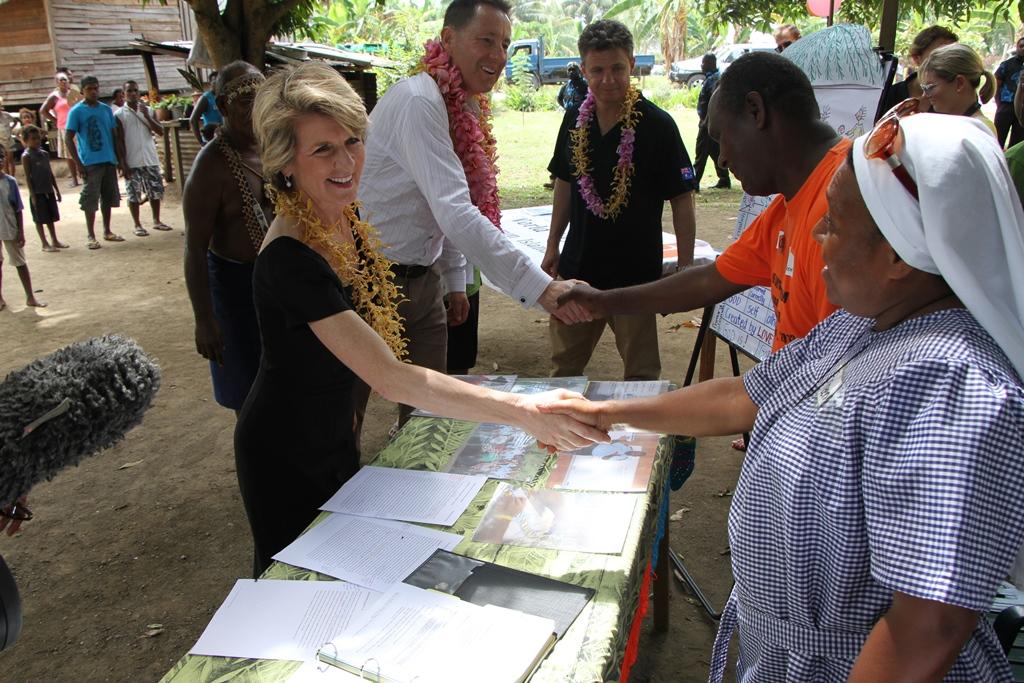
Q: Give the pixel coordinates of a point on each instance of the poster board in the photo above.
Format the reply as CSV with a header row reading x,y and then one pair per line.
x,y
747,320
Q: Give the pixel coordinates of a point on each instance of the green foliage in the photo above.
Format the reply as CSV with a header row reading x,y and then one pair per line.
x,y
762,15
520,94
172,101
551,21
655,26
665,95
400,26
985,30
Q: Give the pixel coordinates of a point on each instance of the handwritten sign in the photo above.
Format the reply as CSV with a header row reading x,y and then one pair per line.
x,y
747,321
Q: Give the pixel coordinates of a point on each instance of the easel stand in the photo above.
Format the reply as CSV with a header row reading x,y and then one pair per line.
x,y
704,349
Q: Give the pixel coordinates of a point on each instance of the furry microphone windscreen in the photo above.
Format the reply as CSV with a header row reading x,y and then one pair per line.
x,y
105,384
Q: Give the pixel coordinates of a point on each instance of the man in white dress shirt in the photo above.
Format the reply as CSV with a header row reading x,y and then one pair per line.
x,y
414,191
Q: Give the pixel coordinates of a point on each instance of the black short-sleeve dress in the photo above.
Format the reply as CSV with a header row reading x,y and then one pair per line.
x,y
294,441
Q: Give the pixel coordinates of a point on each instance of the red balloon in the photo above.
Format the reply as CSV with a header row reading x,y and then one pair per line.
x,y
819,8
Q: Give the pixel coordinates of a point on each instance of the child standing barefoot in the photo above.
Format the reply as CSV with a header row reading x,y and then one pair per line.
x,y
43,193
12,233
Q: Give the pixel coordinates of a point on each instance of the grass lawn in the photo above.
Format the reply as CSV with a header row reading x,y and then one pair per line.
x,y
525,144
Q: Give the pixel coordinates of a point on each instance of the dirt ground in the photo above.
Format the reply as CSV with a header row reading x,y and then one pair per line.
x,y
130,554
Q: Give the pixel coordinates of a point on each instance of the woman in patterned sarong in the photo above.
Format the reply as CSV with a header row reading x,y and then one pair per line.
x,y
878,508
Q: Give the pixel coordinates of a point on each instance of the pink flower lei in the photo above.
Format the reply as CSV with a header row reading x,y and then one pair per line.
x,y
624,169
470,132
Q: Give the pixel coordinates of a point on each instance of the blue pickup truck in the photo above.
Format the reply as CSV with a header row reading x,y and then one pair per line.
x,y
545,70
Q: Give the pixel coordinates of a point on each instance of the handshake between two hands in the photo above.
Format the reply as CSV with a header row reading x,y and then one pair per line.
x,y
571,301
564,420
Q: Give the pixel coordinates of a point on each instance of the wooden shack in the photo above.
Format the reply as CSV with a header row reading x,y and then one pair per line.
x,y
40,35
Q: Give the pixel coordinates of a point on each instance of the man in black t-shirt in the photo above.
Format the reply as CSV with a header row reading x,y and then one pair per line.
x,y
614,219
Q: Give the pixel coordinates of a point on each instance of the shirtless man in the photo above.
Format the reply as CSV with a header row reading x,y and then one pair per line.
x,y
226,217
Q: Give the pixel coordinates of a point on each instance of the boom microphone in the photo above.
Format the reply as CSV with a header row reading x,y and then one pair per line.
x,y
70,404
57,410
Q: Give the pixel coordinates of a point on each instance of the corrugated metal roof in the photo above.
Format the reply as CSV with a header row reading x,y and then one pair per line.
x,y
281,52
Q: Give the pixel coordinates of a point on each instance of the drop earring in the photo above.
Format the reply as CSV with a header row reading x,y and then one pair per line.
x,y
288,182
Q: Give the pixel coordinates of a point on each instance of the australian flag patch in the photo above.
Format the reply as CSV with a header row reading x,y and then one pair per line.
x,y
688,173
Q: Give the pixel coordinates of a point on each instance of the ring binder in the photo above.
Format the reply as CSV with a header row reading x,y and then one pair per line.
x,y
362,668
325,666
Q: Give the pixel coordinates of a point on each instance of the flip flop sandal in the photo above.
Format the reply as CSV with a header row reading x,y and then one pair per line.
x,y
112,237
93,244
162,226
141,232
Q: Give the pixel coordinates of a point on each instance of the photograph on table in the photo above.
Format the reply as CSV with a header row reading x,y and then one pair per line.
x,y
616,391
623,464
496,382
557,520
538,385
499,452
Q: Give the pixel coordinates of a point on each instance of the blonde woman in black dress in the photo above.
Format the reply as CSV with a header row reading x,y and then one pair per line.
x,y
327,313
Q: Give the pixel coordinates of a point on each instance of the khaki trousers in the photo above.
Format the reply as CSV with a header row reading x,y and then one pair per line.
x,y
426,331
636,337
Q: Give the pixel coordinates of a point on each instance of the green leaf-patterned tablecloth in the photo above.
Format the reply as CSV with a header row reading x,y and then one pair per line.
x,y
591,649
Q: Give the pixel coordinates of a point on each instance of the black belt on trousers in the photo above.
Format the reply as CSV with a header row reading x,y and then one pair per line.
x,y
409,272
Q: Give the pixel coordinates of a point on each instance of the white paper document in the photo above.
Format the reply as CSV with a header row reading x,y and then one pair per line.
x,y
426,637
374,553
269,619
406,495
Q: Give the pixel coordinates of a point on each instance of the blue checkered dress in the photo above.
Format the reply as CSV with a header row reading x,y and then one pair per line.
x,y
907,475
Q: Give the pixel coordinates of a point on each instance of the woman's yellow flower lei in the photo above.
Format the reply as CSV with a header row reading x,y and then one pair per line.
x,y
374,294
624,169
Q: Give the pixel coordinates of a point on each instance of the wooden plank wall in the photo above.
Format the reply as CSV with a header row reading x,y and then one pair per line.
x,y
26,56
82,27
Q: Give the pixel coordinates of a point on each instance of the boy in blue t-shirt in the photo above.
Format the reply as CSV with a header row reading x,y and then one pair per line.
x,y
91,139
12,234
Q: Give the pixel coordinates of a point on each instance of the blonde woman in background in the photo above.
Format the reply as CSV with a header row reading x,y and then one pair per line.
x,y
950,79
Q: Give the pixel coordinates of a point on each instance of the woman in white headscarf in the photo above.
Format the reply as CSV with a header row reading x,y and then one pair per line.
x,y
879,505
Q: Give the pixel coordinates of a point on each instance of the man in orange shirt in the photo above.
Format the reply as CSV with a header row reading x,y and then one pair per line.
x,y
767,123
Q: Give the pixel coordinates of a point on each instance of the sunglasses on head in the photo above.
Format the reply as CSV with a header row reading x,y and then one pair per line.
x,y
885,141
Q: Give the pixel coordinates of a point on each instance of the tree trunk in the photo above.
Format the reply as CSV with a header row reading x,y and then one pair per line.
x,y
673,34
241,32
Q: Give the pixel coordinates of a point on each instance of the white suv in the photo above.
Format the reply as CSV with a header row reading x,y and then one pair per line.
x,y
688,71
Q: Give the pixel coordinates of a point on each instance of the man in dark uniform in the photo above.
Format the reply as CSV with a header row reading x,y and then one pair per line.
x,y
707,148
